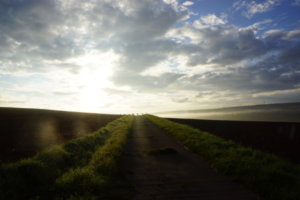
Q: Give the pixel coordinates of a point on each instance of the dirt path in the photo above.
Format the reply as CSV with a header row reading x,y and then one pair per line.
x,y
174,176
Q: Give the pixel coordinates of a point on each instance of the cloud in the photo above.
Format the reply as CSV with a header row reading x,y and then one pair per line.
x,y
64,93
296,3
248,41
210,20
268,74
180,100
275,65
239,4
188,3
260,25
203,94
115,91
224,16
148,84
223,45
33,34
253,8
176,6
42,36
280,34
13,102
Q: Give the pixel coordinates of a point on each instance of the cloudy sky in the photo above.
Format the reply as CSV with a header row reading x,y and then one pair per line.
x,y
125,56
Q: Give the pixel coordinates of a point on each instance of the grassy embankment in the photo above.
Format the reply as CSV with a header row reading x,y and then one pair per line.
x,y
79,169
269,176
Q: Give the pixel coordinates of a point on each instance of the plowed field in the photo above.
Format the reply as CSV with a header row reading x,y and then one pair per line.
x,y
24,132
278,138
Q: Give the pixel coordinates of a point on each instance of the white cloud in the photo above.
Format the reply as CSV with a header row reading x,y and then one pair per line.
x,y
260,25
238,5
176,6
188,3
253,8
210,20
213,20
224,16
170,1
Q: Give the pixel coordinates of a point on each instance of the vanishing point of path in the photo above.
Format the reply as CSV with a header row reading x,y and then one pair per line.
x,y
184,175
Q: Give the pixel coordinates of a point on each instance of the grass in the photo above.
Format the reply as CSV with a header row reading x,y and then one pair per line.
x,y
267,175
83,168
161,151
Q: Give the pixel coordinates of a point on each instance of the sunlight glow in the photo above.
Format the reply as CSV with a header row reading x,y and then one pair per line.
x,y
94,77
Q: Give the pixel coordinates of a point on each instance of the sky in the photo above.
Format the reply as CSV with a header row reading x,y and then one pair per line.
x,y
146,56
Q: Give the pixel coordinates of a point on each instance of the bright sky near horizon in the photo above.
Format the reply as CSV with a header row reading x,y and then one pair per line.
x,y
138,56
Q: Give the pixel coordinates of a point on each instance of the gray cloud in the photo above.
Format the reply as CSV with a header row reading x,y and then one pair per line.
x,y
32,34
38,31
281,35
145,83
220,45
180,100
202,94
272,73
145,20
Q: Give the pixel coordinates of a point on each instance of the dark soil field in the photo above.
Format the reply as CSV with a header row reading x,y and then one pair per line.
x,y
278,138
24,132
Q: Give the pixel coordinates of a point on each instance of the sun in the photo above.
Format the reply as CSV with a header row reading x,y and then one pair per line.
x,y
92,83
94,77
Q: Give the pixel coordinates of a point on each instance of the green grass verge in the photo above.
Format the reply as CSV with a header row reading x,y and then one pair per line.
x,y
267,175
83,168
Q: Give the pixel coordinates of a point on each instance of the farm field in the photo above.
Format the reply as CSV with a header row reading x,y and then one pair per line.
x,y
82,168
278,138
284,112
24,132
